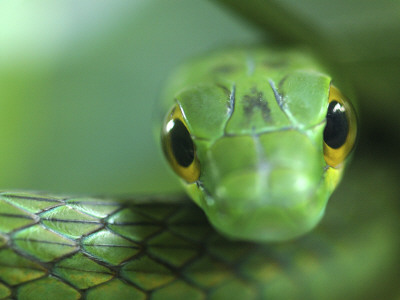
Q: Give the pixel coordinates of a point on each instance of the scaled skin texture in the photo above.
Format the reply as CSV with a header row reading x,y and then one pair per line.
x,y
257,118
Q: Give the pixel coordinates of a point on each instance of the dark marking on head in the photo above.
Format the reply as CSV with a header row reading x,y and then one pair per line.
x,y
255,100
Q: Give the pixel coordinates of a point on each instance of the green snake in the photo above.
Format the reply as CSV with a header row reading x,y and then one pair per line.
x,y
247,132
248,135
260,139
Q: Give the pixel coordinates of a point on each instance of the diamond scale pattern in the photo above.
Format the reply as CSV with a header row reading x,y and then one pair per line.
x,y
116,289
16,217
147,273
99,208
47,288
16,269
42,243
32,203
106,245
171,249
69,222
91,248
133,225
82,272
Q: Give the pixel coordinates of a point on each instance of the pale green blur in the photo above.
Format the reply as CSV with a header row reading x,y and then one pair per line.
x,y
78,84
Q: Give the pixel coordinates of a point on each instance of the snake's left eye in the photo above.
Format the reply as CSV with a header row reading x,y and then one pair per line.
x,y
179,147
341,128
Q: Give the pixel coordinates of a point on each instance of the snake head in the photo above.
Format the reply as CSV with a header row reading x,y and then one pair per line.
x,y
262,151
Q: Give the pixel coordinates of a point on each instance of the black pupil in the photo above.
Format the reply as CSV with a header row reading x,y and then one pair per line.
x,y
337,126
182,144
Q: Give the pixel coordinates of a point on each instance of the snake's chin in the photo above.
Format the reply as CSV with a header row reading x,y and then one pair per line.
x,y
262,223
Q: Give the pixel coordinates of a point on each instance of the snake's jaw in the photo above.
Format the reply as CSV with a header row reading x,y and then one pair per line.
x,y
261,223
265,193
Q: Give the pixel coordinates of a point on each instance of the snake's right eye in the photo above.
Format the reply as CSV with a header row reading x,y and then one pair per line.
x,y
341,128
178,146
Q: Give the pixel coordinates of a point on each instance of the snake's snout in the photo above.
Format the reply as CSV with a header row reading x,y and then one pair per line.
x,y
271,188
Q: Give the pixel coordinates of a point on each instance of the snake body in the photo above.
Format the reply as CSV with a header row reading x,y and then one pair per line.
x,y
160,247
54,247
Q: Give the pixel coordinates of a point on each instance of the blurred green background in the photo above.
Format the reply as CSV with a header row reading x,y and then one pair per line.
x,y
79,81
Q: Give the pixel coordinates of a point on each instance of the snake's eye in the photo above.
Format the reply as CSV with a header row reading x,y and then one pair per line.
x,y
178,146
340,130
